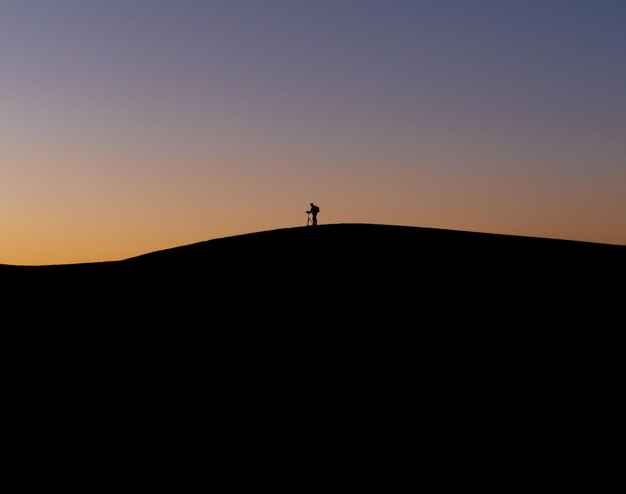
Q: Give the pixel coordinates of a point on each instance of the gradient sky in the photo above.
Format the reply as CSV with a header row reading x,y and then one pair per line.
x,y
129,126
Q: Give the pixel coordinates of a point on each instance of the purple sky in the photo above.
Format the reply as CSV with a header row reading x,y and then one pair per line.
x,y
134,125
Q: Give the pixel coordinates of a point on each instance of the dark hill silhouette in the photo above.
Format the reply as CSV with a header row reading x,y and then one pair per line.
x,y
348,305
334,247
327,332
360,265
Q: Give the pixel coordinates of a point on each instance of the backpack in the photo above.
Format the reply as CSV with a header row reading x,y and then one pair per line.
x,y
315,209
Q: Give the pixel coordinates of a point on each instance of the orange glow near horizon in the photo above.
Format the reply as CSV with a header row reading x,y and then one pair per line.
x,y
131,127
101,218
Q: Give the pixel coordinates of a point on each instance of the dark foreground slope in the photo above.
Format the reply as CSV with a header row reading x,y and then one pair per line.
x,y
348,267
352,339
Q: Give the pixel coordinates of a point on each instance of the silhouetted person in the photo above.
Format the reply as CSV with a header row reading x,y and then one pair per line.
x,y
313,212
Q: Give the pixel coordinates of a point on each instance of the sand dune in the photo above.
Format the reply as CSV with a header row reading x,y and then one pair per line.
x,y
353,264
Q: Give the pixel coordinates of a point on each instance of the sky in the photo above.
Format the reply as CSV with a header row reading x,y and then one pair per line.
x,y
130,126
